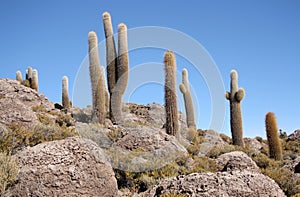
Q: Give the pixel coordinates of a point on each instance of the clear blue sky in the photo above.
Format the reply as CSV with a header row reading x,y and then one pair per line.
x,y
260,39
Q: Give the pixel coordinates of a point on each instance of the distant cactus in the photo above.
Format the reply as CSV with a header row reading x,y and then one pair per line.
x,y
96,79
188,102
275,148
29,74
65,93
235,96
170,94
19,76
34,80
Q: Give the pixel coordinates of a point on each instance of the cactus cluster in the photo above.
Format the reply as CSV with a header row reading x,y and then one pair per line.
x,y
275,149
31,79
117,67
235,97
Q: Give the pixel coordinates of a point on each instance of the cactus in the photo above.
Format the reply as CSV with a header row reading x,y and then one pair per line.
x,y
188,102
170,94
117,67
34,81
275,148
122,75
98,93
65,93
235,97
19,76
111,53
29,74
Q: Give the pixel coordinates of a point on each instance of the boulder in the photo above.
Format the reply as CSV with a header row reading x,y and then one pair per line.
x,y
70,167
17,101
236,160
225,184
294,136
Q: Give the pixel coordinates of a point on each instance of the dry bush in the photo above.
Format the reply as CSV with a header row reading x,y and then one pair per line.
x,y
8,171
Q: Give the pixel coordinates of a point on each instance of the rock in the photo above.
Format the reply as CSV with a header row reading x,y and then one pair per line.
x,y
294,136
225,184
294,165
17,101
236,160
69,167
254,144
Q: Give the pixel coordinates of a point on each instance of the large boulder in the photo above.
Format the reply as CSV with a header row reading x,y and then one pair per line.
x,y
236,160
17,102
225,184
70,167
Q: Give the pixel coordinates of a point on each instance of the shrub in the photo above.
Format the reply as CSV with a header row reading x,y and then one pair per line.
x,y
8,171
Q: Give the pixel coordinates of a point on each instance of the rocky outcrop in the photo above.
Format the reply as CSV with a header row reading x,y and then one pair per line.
x,y
254,144
17,101
295,136
69,167
294,165
236,160
225,184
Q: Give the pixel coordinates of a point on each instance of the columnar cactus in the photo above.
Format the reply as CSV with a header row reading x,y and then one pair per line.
x,y
170,94
65,93
34,80
275,149
96,79
117,67
19,76
235,97
188,102
29,74
111,53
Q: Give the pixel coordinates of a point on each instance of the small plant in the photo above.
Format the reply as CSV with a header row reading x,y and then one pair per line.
x,y
8,171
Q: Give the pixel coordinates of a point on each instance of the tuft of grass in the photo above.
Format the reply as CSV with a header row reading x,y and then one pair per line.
x,y
8,171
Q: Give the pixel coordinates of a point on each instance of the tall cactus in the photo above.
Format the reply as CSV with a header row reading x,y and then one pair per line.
x,y
170,94
235,97
34,80
65,93
96,82
275,148
188,102
19,76
117,66
111,57
122,75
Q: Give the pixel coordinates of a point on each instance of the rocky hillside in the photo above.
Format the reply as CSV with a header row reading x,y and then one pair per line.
x,y
60,152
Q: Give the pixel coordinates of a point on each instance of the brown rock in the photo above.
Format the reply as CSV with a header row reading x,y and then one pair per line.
x,y
236,160
225,184
69,167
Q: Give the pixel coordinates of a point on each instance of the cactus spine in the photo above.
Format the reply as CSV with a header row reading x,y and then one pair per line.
x,y
19,76
65,93
235,97
96,79
170,94
34,80
188,102
275,149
